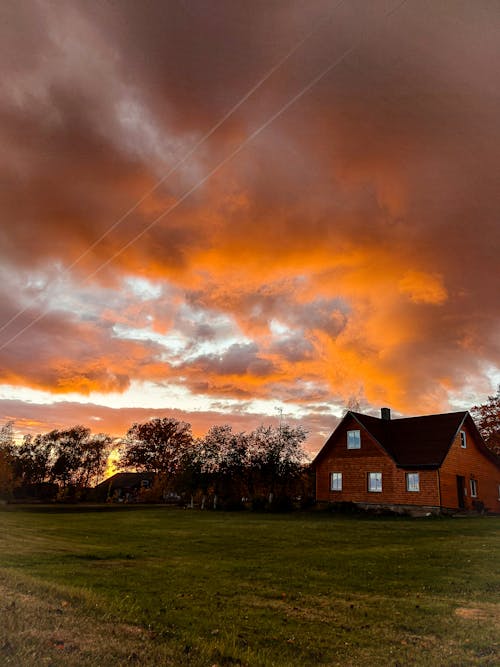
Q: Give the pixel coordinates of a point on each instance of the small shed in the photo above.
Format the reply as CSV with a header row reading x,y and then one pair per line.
x,y
123,486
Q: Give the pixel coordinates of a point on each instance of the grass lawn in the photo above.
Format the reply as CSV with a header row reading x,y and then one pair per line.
x,y
157,586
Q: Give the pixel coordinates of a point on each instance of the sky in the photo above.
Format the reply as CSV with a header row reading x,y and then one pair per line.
x,y
236,212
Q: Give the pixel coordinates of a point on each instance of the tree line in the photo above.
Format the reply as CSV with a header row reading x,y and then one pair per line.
x,y
267,466
62,462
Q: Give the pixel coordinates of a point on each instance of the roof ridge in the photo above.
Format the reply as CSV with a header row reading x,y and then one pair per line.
x,y
394,419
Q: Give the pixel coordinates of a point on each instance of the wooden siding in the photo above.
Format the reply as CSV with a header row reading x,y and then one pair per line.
x,y
355,464
469,463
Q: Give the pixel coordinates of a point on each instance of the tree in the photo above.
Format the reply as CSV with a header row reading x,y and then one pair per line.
x,y
269,460
32,460
72,458
78,457
222,461
6,460
487,418
352,405
159,445
7,436
277,453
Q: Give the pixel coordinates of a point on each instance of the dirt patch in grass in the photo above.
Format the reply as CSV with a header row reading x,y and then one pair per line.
x,y
483,613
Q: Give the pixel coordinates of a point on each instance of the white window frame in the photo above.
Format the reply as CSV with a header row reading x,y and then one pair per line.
x,y
413,482
375,482
335,481
357,439
463,439
473,488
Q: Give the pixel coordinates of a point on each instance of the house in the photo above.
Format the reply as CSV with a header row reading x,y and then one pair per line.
x,y
123,486
435,461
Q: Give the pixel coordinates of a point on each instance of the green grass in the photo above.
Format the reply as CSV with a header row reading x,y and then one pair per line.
x,y
158,586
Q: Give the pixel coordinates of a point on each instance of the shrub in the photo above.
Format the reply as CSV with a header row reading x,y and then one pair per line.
x,y
343,507
307,502
259,504
282,504
232,505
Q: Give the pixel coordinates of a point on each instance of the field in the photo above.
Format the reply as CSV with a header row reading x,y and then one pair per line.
x,y
157,586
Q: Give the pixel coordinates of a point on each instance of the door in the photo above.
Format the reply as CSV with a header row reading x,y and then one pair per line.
x,y
461,491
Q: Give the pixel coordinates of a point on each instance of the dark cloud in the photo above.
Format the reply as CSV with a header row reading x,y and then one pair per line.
x,y
294,348
238,359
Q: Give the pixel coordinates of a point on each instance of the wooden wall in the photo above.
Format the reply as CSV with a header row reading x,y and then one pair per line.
x,y
469,463
355,464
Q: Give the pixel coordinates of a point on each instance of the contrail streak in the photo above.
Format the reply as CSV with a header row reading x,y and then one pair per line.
x,y
179,164
222,163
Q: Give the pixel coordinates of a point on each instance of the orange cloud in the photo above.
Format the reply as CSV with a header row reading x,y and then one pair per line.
x,y
423,287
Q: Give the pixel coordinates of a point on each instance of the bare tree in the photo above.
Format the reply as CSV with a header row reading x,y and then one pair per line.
x,y
487,418
277,454
6,460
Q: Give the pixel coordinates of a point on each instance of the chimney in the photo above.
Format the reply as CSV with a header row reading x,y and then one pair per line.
x,y
385,413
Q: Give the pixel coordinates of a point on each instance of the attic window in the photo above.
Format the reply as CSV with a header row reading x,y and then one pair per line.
x,y
353,439
463,439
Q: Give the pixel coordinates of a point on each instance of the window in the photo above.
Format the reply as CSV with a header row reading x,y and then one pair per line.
x,y
353,439
412,481
335,481
375,482
463,439
473,488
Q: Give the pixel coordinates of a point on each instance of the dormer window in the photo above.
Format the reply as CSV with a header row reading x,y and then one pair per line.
x,y
463,439
353,439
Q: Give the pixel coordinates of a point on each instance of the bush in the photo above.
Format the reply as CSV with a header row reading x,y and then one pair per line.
x,y
259,504
307,502
43,492
282,504
479,507
232,505
343,507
